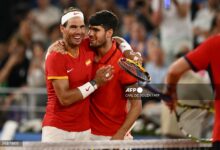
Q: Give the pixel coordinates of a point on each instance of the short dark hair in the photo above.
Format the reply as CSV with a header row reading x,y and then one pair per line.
x,y
104,18
70,9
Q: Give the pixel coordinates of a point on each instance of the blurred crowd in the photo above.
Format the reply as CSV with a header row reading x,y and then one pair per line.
x,y
161,32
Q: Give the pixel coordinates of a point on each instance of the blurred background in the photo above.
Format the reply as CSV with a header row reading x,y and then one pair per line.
x,y
161,30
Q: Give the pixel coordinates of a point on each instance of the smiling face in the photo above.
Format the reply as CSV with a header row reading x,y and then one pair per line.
x,y
74,31
97,36
102,25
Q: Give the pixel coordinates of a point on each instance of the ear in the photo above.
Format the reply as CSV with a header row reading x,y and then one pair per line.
x,y
62,28
109,33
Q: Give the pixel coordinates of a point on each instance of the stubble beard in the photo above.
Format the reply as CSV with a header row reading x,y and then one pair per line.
x,y
70,43
102,44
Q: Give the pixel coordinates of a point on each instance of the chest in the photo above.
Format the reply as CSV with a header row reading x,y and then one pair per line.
x,y
79,70
113,62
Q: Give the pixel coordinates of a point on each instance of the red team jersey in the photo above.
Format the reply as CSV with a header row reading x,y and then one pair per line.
x,y
77,71
207,56
108,103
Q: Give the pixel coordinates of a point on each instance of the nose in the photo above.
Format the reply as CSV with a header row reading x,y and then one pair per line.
x,y
79,31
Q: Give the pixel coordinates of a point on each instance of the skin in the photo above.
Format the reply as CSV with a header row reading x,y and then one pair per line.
x,y
101,40
73,35
175,71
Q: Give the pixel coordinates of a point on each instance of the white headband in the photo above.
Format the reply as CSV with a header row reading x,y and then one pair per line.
x,y
72,14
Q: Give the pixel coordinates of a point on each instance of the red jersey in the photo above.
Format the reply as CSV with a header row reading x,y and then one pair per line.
x,y
207,56
108,103
77,71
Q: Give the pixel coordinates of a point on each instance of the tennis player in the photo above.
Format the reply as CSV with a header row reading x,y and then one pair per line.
x,y
109,116
206,56
70,83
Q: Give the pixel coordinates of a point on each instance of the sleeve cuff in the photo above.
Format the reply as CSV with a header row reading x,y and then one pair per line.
x,y
57,77
191,64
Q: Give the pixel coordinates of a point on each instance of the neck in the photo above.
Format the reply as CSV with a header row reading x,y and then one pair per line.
x,y
73,50
105,48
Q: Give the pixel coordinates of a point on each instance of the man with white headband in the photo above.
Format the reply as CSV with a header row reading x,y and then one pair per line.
x,y
70,15
69,83
68,70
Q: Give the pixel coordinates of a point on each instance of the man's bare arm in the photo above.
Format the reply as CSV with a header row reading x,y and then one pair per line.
x,y
65,95
175,71
69,96
127,51
134,112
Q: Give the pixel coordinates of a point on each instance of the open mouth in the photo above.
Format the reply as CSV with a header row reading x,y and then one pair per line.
x,y
77,38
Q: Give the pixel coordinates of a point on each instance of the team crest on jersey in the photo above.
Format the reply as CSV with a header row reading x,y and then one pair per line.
x,y
88,62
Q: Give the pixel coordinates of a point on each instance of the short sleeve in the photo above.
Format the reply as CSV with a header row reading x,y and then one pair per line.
x,y
126,79
55,66
200,58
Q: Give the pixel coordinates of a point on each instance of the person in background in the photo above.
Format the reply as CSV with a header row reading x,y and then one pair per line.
x,y
175,25
205,56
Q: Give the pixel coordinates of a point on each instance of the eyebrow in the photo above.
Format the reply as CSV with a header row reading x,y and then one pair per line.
x,y
94,28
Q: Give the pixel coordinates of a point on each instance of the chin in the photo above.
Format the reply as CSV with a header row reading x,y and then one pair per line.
x,y
77,43
92,45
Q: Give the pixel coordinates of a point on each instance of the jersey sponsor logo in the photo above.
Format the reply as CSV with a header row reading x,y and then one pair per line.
x,y
76,13
69,70
87,89
88,62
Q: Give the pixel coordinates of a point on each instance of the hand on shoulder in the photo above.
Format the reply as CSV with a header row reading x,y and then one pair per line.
x,y
58,46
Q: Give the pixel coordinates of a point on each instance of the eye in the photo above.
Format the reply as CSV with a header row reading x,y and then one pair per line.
x,y
96,30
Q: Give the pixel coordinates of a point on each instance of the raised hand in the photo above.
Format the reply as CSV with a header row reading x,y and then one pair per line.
x,y
135,56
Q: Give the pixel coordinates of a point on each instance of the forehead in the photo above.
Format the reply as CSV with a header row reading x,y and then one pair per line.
x,y
77,21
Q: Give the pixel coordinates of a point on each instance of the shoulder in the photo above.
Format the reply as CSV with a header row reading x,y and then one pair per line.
x,y
52,56
55,47
211,44
213,39
58,45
